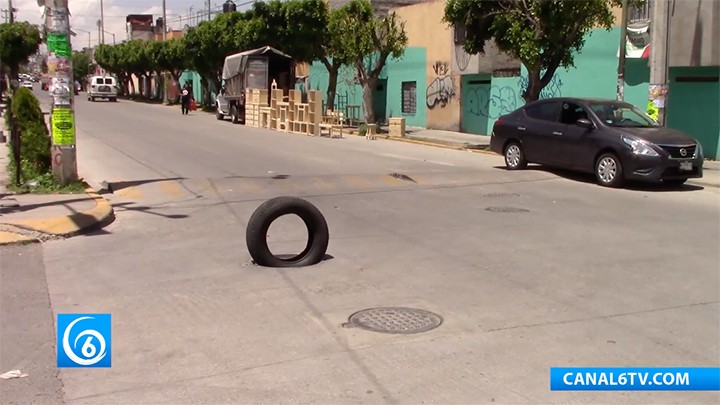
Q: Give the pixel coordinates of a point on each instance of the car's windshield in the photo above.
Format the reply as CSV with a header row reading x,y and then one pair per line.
x,y
622,115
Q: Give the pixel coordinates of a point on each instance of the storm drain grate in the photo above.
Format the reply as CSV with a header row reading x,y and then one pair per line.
x,y
401,176
501,195
506,210
395,320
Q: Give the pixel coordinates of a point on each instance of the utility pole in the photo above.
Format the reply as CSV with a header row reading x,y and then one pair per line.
x,y
165,74
62,114
209,10
623,52
660,36
11,11
102,23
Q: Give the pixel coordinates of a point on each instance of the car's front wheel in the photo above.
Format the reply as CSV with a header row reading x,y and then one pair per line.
x,y
515,157
609,171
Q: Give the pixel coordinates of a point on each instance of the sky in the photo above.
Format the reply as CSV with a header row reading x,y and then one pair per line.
x,y
84,15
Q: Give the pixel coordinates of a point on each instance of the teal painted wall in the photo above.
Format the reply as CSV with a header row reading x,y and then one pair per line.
x,y
594,75
693,107
411,67
194,78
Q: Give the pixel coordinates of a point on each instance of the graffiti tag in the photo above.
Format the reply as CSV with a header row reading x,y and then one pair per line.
x,y
553,89
442,89
492,102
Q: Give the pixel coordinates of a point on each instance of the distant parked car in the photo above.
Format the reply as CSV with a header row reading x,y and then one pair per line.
x,y
27,84
614,140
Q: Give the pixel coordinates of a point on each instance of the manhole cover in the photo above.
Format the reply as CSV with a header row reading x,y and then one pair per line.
x,y
506,209
500,195
396,320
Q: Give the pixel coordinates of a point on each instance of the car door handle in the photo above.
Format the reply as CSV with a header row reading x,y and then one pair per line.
x,y
521,128
557,133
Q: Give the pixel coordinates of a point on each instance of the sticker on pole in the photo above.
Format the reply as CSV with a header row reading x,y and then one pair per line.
x,y
63,127
58,44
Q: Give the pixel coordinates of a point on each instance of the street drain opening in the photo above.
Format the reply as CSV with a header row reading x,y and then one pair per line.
x,y
501,195
401,176
394,320
506,210
280,177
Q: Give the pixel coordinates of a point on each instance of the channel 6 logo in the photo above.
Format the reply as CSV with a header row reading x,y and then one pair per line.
x,y
84,340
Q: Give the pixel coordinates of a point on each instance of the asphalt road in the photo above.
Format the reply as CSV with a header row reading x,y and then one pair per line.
x,y
576,275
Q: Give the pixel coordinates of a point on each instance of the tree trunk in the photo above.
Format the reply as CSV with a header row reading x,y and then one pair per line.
x,y
534,87
368,85
333,70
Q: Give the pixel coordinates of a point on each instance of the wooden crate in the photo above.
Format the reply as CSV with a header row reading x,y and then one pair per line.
x,y
397,126
315,105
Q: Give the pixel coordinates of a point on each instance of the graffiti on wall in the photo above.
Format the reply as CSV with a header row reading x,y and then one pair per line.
x,y
553,89
492,101
442,89
495,101
462,58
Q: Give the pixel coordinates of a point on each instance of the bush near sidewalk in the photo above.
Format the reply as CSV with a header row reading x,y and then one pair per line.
x,y
35,156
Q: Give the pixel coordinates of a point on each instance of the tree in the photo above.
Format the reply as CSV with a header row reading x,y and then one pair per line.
x,y
367,41
174,58
81,66
18,41
543,34
207,46
334,53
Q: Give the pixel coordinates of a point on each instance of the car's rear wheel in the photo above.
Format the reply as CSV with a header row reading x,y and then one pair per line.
x,y
234,115
609,171
675,182
515,157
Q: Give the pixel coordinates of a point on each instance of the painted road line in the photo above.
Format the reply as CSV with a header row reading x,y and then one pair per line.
x,y
357,181
323,184
132,192
417,159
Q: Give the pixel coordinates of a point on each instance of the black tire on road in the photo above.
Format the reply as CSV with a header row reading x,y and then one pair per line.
x,y
515,156
219,115
113,100
267,213
609,171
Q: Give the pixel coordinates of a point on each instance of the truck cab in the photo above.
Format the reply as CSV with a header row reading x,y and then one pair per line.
x,y
253,69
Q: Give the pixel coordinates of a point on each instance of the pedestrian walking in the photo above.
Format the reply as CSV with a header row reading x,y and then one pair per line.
x,y
185,99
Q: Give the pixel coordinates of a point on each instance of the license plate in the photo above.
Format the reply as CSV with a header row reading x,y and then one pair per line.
x,y
685,165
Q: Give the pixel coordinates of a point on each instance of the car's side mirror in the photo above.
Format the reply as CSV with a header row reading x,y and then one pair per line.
x,y
585,123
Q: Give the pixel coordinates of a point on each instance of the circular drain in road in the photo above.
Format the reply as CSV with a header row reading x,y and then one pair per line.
x,y
395,320
506,210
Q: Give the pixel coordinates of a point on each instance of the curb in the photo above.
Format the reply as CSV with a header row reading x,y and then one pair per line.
x,y
439,145
65,226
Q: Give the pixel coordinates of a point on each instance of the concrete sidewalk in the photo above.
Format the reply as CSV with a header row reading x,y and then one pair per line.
x,y
27,218
481,143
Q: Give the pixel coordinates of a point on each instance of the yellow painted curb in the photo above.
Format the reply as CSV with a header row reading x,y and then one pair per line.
x,y
70,225
9,238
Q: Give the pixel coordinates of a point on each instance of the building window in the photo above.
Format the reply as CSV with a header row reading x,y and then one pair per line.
x,y
409,97
460,34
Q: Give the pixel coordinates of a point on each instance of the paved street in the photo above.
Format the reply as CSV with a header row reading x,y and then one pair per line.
x,y
580,275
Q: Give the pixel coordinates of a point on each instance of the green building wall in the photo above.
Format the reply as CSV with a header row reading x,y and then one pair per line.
x,y
412,66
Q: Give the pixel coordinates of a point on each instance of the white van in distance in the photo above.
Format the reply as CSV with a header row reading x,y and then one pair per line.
x,y
102,87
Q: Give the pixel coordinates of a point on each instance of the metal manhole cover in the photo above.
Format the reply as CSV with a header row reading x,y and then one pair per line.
x,y
395,320
500,195
506,209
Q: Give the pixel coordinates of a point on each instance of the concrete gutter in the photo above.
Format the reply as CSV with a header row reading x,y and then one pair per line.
x,y
41,229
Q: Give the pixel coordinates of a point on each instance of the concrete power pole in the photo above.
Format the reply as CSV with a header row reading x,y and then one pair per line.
x,y
11,11
623,52
165,74
660,36
102,23
62,114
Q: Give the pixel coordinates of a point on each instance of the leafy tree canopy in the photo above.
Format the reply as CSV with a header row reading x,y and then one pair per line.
x,y
18,41
543,34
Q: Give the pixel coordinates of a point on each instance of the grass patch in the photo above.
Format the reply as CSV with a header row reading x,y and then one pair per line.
x,y
42,184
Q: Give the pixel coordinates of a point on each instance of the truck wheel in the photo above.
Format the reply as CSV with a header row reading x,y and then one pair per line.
x,y
219,115
234,115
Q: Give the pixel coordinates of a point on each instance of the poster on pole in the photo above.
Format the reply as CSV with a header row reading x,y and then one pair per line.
x,y
58,44
63,127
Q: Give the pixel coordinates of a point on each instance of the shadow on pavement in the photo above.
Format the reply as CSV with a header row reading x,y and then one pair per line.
x,y
590,179
111,187
28,207
146,210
